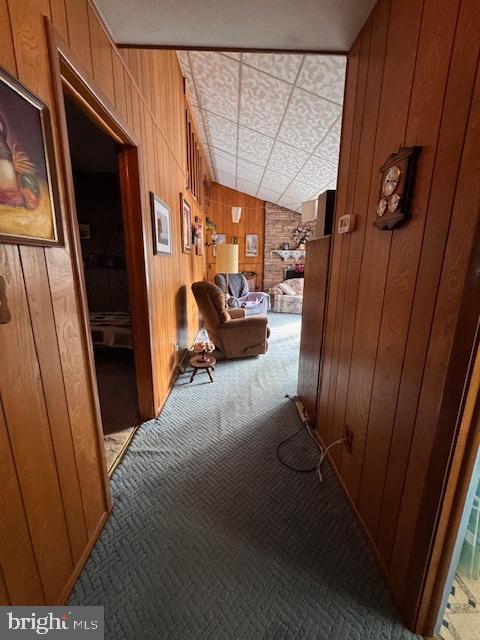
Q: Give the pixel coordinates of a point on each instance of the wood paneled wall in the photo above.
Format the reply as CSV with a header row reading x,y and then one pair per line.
x,y
412,79
222,199
53,498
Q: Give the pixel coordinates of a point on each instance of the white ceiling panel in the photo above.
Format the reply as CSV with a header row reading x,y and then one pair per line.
x,y
216,82
307,120
284,66
286,159
317,170
249,171
254,146
325,79
263,101
266,135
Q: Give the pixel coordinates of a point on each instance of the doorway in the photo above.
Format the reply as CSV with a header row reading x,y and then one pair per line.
x,y
99,216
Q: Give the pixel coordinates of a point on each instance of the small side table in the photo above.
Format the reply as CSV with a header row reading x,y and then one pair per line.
x,y
206,363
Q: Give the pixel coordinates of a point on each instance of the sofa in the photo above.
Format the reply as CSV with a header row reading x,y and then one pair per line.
x,y
287,296
230,330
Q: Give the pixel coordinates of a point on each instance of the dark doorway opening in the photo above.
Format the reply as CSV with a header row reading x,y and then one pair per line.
x,y
98,198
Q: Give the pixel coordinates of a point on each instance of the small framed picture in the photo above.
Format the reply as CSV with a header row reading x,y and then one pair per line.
x,y
186,220
29,202
220,238
162,230
84,230
251,245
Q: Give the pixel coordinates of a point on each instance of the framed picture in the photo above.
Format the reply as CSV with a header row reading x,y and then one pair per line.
x,y
198,236
186,220
84,230
162,230
29,203
220,238
251,245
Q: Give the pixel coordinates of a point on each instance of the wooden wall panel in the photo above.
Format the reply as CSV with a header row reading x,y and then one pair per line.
x,y
394,296
317,259
54,499
222,199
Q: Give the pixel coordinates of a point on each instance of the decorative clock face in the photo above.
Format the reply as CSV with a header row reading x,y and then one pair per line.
x,y
391,180
393,202
381,206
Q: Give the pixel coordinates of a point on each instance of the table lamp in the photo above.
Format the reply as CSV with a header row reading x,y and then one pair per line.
x,y
227,262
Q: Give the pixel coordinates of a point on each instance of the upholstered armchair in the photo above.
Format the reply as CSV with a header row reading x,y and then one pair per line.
x,y
288,296
229,329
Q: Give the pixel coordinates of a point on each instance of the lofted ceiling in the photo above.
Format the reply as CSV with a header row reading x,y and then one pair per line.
x,y
269,122
313,25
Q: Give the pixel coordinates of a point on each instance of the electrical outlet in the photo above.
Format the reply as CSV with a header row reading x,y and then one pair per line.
x,y
348,438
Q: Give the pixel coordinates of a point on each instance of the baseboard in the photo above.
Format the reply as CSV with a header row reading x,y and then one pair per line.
x,y
368,537
67,590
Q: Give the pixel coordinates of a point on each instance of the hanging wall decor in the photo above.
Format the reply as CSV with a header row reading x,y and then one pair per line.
x,y
198,236
162,230
396,188
29,203
186,225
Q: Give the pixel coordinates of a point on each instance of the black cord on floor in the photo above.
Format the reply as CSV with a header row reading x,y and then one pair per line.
x,y
285,464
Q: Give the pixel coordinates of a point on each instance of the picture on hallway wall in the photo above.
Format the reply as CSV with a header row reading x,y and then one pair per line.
x,y
162,233
251,245
29,203
186,221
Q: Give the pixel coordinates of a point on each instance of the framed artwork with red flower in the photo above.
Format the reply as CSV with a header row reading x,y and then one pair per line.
x,y
29,202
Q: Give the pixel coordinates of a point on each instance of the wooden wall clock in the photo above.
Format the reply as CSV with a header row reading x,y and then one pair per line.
x,y
396,188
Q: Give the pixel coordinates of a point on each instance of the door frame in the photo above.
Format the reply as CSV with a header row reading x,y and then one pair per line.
x,y
70,78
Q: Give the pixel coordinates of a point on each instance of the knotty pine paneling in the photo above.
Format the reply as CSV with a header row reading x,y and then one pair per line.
x,y
222,199
54,498
394,297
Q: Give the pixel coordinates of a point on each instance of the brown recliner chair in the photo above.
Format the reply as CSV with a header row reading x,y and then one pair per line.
x,y
230,331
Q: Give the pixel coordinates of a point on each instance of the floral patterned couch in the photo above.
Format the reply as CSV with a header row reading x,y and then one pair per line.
x,y
288,296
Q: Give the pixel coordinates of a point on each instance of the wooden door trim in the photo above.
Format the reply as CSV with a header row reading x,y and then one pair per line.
x,y
68,75
456,433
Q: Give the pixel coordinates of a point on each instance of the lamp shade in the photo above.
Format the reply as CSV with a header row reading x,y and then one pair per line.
x,y
227,258
236,214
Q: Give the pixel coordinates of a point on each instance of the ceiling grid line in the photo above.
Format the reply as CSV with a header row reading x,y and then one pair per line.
x,y
239,103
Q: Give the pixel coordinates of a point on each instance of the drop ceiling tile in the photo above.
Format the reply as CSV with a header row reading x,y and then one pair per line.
x,y
299,192
232,54
307,120
249,171
223,146
289,203
268,195
281,65
246,186
222,132
226,179
263,101
286,159
329,147
317,172
275,181
225,162
216,79
253,145
324,76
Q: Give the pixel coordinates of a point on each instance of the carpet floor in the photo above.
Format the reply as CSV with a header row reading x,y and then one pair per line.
x,y
211,538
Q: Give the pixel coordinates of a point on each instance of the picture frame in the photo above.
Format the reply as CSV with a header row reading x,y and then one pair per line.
x,y
251,245
84,231
220,238
161,226
29,200
186,224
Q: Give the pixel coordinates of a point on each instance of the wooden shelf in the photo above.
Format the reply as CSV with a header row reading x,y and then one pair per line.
x,y
290,254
